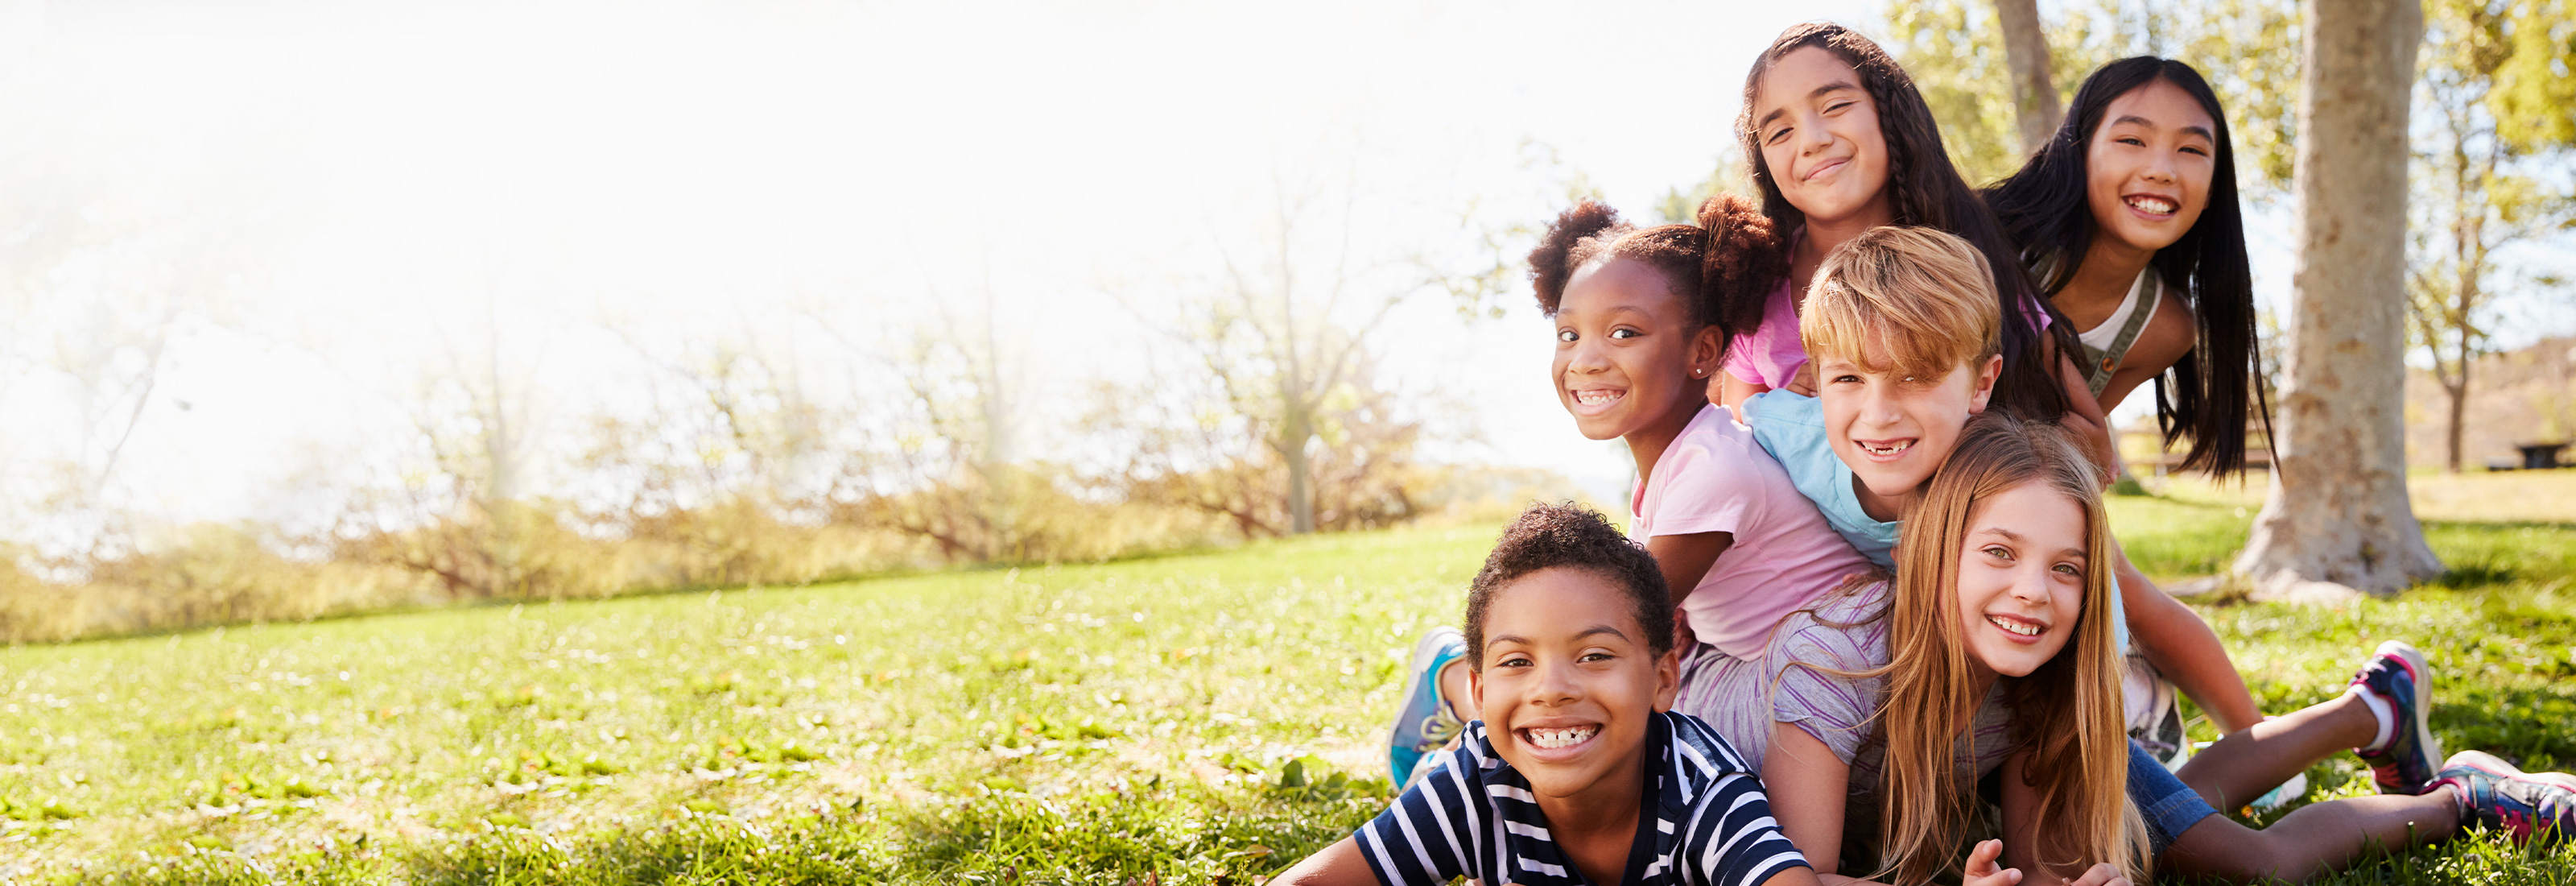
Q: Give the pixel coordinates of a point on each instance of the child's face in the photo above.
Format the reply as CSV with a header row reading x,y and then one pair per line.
x,y
2021,578
1568,681
2147,172
1894,430
1627,352
1820,138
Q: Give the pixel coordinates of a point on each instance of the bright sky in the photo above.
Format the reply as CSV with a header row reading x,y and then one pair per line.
x,y
324,207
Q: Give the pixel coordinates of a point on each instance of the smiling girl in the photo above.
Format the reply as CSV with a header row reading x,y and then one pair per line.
x,y
1840,142
2129,218
1987,655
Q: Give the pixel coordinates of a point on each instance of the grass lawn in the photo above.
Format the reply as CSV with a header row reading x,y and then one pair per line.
x,y
1192,718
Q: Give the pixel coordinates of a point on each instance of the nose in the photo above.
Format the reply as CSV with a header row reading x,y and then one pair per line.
x,y
1554,684
1586,357
2160,169
1878,406
1812,135
2031,585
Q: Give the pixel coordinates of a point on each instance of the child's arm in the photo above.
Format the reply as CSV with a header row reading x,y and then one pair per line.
x,y
2021,837
2084,416
2178,643
1731,392
1684,560
1339,864
1806,783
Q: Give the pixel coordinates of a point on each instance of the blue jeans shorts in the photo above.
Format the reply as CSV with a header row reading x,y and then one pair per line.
x,y
2169,806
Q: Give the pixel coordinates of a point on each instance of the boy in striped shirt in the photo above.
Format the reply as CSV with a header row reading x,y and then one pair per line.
x,y
1578,771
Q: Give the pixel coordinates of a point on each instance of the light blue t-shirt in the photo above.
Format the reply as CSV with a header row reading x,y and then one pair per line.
x,y
1792,428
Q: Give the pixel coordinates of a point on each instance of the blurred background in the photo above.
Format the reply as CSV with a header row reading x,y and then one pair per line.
x,y
310,308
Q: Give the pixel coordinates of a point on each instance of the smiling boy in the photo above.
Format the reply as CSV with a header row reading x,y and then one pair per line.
x,y
1577,771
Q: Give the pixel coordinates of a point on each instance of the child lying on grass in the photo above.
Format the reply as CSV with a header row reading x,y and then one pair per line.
x,y
1577,772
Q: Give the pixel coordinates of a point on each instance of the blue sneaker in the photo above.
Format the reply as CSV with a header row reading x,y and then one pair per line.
x,y
2397,674
1422,720
2528,805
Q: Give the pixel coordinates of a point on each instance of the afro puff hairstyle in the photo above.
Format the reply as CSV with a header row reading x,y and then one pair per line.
x,y
1723,266
1573,537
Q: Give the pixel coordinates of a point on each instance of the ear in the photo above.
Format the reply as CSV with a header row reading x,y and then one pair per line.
x,y
1668,679
1985,384
1706,350
1476,687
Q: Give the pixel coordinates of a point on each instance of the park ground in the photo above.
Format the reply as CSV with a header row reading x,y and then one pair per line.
x,y
1193,718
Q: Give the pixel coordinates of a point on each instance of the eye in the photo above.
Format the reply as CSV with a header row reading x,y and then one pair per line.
x,y
1837,107
1566,335
1595,656
2131,140
1625,332
1515,660
1776,135
1844,379
2195,149
1998,552
2069,570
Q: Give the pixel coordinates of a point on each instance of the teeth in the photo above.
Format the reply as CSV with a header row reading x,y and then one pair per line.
x,y
2026,630
1560,738
1595,398
1891,449
2152,204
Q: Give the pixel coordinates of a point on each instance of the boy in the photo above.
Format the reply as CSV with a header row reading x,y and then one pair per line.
x,y
1577,771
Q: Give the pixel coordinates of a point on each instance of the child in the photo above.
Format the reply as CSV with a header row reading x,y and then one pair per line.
x,y
1984,655
1907,341
1639,317
2129,219
1840,142
1574,773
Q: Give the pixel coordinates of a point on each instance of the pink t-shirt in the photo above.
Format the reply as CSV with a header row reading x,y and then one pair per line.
x,y
1715,478
1770,354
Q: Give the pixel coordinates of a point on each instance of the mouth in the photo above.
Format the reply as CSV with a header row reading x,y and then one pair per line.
x,y
1558,742
2021,630
1591,401
1828,166
2151,205
1884,450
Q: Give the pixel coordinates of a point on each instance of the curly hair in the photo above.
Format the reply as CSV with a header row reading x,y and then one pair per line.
x,y
1551,536
1722,266
1923,188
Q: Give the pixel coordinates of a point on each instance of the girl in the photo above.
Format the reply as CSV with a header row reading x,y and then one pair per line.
x,y
2128,217
1840,142
1640,318
1986,655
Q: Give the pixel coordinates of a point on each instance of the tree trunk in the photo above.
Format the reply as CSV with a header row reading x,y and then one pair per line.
x,y
2459,395
2035,104
2337,520
1301,493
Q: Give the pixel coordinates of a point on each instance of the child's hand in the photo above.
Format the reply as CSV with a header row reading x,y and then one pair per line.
x,y
1804,383
1981,869
2101,875
1684,638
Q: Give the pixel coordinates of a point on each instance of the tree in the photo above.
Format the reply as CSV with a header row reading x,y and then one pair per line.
x,y
2036,104
2337,519
2472,165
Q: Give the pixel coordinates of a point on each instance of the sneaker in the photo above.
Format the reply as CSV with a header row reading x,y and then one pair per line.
x,y
2529,805
2155,719
2397,674
1422,719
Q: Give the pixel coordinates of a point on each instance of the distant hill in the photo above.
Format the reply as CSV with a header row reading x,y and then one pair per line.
x,y
2520,396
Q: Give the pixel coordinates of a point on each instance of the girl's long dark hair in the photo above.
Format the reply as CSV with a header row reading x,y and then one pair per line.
x,y
2043,207
1923,188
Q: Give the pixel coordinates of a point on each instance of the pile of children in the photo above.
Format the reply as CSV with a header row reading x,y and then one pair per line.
x,y
1763,679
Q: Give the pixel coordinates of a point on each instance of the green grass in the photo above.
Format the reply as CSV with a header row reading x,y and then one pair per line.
x,y
1079,723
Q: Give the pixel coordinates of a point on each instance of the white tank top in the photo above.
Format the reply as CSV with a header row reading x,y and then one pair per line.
x,y
2148,288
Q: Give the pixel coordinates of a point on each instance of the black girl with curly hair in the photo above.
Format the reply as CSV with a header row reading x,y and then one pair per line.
x,y
2129,218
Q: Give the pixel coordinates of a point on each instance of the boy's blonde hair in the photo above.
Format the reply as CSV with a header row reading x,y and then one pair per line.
x,y
1910,300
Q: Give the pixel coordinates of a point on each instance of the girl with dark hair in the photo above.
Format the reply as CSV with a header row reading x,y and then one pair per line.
x,y
1840,142
1640,319
2129,219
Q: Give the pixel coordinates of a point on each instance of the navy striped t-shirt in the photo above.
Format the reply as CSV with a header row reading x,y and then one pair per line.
x,y
1472,815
